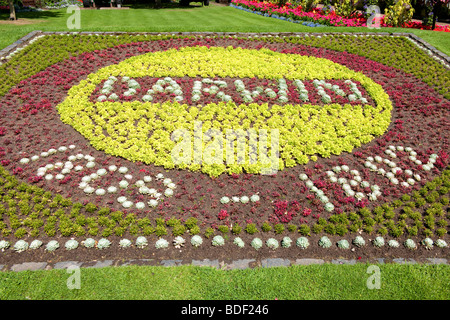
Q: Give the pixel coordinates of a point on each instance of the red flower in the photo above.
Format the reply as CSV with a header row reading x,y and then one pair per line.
x,y
223,214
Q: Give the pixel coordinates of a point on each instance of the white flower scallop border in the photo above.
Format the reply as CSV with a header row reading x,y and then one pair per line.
x,y
196,241
68,166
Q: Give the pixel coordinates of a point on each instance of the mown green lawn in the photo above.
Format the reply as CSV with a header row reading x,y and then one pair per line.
x,y
327,281
214,18
298,282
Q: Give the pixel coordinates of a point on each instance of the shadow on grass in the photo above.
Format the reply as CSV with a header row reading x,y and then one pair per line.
x,y
41,15
163,5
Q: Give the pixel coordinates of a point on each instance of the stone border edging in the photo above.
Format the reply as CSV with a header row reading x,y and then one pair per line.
x,y
221,265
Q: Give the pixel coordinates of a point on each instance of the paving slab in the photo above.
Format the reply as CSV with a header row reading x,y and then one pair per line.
x,y
67,264
343,261
240,264
437,260
308,261
404,261
29,266
101,264
171,263
275,262
206,263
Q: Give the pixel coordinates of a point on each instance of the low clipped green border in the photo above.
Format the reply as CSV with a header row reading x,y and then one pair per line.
x,y
434,194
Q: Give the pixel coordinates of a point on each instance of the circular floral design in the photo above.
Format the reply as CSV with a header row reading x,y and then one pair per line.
x,y
30,127
143,130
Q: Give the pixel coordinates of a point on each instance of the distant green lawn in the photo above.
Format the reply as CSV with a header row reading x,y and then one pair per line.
x,y
195,18
313,282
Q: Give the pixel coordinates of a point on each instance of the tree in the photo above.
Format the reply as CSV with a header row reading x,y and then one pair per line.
x,y
12,10
436,6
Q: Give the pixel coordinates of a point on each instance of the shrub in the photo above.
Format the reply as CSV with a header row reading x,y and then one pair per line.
x,y
196,240
141,242
103,243
304,230
272,243
178,230
378,242
428,243
179,242
209,232
90,207
410,244
286,242
441,232
359,241
52,245
125,243
71,244
236,229
278,228
325,242
160,231
4,244
266,227
194,230
191,222
440,243
393,243
21,246
223,228
238,241
218,241
88,243
302,242
251,228
161,244
35,244
256,243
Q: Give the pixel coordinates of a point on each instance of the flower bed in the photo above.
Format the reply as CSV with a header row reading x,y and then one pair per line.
x,y
76,165
316,17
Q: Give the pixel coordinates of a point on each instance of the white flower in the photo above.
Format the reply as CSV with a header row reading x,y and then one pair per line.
x,y
49,177
123,169
112,168
123,184
140,183
24,160
168,192
89,190
128,176
153,203
147,179
100,192
140,205
34,158
224,200
112,189
121,199
127,204
303,177
172,185
101,172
